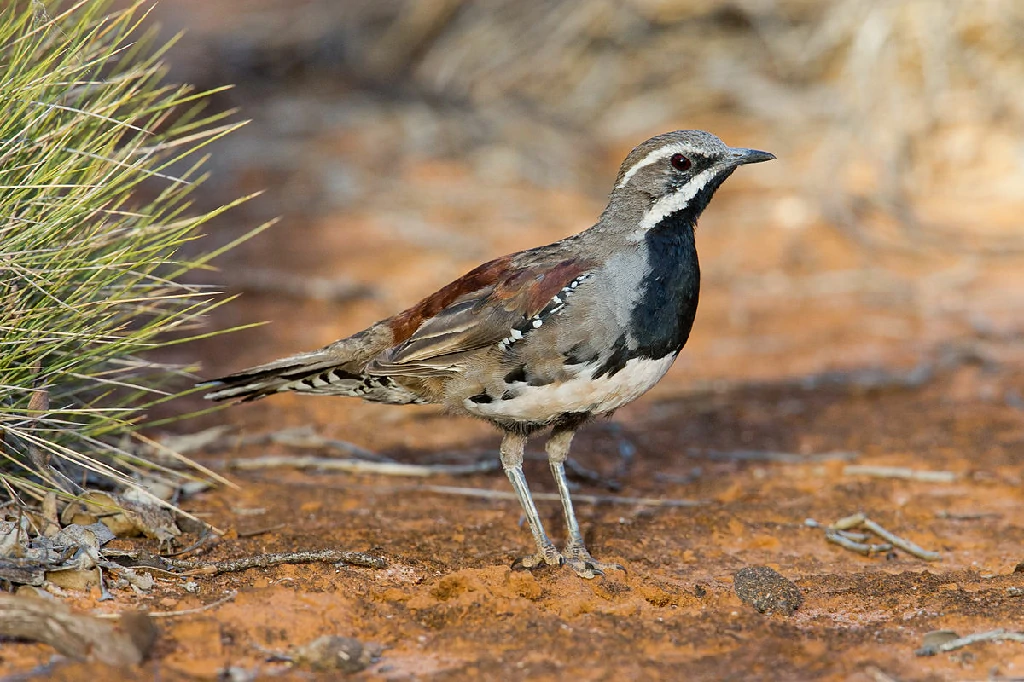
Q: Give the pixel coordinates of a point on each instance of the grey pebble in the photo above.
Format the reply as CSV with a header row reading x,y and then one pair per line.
x,y
331,652
767,590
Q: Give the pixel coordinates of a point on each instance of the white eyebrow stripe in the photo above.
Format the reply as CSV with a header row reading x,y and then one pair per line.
x,y
660,153
677,201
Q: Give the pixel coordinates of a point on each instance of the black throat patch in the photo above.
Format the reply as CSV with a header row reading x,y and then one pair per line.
x,y
664,313
667,306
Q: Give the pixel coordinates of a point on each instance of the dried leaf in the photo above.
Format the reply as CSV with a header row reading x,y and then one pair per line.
x,y
126,517
78,579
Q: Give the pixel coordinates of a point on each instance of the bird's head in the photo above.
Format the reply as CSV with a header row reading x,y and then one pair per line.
x,y
675,175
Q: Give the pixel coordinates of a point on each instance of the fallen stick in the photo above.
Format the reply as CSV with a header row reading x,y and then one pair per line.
x,y
839,533
331,556
999,635
76,635
768,456
838,537
899,472
488,494
360,466
902,543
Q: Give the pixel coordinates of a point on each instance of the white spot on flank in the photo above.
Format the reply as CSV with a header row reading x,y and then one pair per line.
x,y
677,201
553,307
579,394
656,155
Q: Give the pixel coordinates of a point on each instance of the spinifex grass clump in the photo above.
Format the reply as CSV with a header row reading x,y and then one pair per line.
x,y
97,159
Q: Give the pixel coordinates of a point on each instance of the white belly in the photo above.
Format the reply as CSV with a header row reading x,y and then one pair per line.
x,y
580,394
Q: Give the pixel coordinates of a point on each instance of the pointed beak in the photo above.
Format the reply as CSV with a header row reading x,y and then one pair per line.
x,y
744,156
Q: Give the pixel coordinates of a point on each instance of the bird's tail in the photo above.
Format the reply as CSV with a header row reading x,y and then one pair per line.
x,y
315,372
338,369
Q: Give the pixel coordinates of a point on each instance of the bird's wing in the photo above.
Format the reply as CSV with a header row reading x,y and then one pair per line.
x,y
472,319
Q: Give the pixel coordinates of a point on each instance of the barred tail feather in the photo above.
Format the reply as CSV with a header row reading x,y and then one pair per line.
x,y
316,373
308,372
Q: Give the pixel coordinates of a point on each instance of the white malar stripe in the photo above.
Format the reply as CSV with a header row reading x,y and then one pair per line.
x,y
661,153
677,201
580,394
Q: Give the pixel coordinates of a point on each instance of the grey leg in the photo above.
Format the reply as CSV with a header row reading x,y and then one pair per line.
x,y
512,446
575,553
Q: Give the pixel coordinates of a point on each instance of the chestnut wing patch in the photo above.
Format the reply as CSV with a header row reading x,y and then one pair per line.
x,y
474,319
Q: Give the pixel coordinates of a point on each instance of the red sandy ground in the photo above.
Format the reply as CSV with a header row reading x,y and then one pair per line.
x,y
449,607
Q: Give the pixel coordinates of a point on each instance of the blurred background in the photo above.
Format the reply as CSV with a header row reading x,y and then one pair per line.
x,y
403,142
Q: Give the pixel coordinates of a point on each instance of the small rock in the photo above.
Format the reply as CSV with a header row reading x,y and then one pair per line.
x,y
767,590
331,652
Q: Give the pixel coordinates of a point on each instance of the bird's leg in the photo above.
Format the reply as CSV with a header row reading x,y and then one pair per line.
x,y
512,446
575,553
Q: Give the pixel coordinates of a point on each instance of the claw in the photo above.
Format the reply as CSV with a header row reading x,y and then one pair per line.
x,y
546,558
585,569
586,566
575,557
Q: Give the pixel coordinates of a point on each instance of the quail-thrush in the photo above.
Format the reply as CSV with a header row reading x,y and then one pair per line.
x,y
544,338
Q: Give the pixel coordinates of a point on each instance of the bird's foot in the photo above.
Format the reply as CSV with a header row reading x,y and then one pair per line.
x,y
585,566
547,555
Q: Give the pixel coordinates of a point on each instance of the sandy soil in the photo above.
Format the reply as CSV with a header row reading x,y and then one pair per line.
x,y
449,607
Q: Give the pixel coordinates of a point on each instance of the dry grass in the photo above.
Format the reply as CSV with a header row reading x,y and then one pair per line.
x,y
98,159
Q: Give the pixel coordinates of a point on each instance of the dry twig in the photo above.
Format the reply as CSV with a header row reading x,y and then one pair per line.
x,y
844,540
999,635
485,493
332,556
840,533
767,456
898,472
488,494
359,466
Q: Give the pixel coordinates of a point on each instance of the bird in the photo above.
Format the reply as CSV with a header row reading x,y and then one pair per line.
x,y
542,339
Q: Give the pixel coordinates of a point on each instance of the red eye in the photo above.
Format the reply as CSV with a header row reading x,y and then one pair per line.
x,y
680,162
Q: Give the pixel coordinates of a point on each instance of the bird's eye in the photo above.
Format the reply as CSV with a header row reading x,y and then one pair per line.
x,y
680,162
